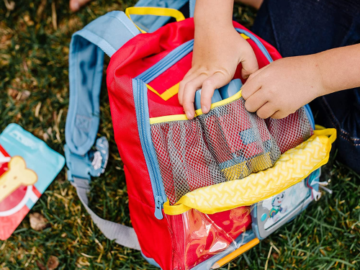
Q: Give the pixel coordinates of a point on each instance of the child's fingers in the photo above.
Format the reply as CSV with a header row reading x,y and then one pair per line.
x,y
251,86
279,115
249,63
188,95
188,77
215,81
266,111
256,101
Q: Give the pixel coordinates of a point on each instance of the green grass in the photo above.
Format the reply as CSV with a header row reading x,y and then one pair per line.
x,y
33,60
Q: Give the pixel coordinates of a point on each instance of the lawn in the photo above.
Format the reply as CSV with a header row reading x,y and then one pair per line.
x,y
34,39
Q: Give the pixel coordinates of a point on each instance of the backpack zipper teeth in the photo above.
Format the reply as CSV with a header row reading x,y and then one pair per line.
x,y
155,182
169,60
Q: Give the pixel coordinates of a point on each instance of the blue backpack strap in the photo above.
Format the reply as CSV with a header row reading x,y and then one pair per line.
x,y
86,58
192,7
105,34
152,23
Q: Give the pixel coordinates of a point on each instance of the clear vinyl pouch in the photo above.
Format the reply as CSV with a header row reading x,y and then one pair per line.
x,y
272,213
227,144
197,237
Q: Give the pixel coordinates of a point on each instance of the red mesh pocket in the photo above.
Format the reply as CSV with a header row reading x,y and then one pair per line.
x,y
185,161
239,140
228,143
290,131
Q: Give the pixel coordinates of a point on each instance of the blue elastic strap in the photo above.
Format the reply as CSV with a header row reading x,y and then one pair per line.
x,y
152,23
86,58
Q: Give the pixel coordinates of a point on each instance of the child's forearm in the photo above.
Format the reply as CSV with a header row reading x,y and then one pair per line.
x,y
218,50
339,68
210,14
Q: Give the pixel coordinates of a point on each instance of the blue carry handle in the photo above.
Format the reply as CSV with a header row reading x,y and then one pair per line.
x,y
153,23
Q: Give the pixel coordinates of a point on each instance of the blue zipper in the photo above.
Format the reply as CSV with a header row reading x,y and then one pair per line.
x,y
257,42
143,121
310,115
180,52
169,60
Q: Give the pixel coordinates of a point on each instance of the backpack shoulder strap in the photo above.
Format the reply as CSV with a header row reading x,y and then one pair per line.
x,y
192,7
86,58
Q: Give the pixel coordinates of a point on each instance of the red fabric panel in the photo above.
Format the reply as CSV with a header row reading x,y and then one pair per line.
x,y
153,234
144,50
128,141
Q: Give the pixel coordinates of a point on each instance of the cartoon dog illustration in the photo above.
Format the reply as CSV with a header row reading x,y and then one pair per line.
x,y
276,206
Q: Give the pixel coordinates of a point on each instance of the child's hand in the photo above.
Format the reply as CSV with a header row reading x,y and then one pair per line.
x,y
216,57
283,87
218,49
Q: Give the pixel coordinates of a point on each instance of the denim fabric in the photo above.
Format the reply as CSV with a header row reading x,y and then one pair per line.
x,y
310,26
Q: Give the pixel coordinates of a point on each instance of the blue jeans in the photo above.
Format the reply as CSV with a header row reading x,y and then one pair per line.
x,y
310,26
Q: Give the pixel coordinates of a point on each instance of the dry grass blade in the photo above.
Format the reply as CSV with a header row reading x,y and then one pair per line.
x,y
53,15
9,5
41,9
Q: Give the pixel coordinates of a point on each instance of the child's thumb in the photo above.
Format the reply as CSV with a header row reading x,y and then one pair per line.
x,y
249,64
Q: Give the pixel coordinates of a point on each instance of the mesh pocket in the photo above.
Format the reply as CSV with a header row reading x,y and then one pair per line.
x,y
239,140
291,131
185,162
226,144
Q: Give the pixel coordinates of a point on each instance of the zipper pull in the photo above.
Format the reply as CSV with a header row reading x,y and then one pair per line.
x,y
158,205
315,194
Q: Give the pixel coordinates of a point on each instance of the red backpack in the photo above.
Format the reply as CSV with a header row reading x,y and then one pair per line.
x,y
191,183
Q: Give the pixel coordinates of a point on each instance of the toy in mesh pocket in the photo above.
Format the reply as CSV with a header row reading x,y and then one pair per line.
x,y
239,140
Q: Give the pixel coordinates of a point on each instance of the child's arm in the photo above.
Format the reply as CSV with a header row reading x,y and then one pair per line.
x,y
218,50
285,85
